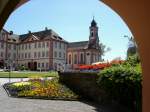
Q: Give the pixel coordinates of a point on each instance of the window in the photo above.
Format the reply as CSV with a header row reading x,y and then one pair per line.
x,y
47,44
59,45
64,46
14,47
2,45
2,54
92,34
22,55
70,59
55,44
29,55
35,55
9,46
39,54
39,65
14,55
39,45
43,44
81,58
46,65
46,53
55,66
42,65
64,55
19,47
55,54
35,45
75,59
9,55
29,46
43,54
22,46
60,54
19,56
25,46
25,55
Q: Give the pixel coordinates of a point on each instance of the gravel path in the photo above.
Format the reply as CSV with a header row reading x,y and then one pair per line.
x,y
8,104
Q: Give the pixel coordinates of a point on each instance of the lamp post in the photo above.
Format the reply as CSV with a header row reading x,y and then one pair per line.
x,y
9,65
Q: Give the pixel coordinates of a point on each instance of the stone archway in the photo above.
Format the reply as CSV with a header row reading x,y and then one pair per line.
x,y
135,14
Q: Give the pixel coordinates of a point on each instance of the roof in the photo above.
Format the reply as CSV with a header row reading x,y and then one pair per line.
x,y
45,34
93,23
78,44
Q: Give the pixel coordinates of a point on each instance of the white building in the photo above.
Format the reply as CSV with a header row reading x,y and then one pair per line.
x,y
42,50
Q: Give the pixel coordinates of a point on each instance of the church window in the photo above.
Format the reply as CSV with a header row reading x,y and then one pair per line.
x,y
81,58
70,59
92,34
75,59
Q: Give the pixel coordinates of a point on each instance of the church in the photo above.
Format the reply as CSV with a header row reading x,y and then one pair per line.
x,y
47,50
85,52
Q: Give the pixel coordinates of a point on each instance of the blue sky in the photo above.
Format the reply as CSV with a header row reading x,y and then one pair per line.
x,y
71,20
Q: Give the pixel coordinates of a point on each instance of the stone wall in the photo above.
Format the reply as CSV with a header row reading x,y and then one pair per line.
x,y
84,84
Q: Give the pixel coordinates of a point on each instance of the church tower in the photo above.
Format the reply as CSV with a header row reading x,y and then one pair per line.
x,y
93,38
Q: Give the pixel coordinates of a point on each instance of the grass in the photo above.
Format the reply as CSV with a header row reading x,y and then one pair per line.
x,y
27,74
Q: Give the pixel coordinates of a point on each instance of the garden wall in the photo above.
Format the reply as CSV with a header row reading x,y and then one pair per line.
x,y
84,84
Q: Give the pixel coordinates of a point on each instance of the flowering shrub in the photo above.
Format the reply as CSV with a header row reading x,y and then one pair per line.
x,y
43,89
123,82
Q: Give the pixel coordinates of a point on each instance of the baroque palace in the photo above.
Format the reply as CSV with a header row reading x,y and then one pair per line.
x,y
46,50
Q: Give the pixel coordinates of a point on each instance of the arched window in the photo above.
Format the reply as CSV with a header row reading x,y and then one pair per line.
x,y
75,59
81,58
69,58
92,34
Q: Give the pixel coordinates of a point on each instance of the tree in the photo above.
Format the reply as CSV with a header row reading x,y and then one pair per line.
x,y
104,49
132,46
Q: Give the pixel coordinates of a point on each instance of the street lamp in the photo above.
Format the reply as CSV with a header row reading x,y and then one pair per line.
x,y
9,61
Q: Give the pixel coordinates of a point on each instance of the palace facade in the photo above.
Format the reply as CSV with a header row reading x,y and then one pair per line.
x,y
46,50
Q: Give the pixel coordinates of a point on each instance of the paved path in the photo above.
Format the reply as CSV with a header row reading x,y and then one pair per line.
x,y
8,104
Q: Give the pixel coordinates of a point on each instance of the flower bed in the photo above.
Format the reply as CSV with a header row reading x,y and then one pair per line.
x,y
37,88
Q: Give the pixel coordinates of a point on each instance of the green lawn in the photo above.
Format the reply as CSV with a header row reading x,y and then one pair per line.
x,y
28,74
